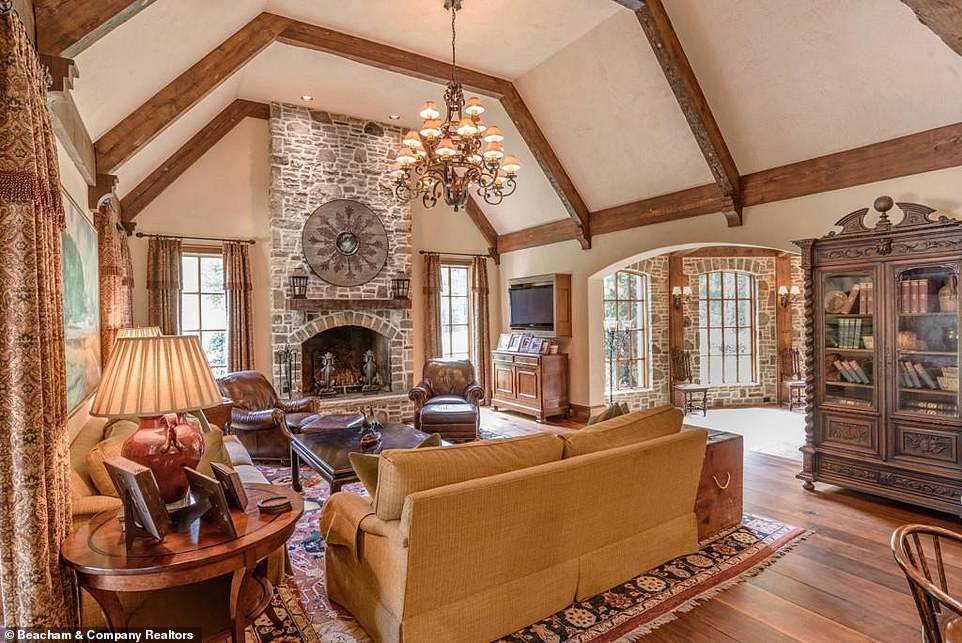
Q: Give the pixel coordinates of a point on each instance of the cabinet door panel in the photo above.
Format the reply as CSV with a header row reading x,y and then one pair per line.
x,y
504,380
529,384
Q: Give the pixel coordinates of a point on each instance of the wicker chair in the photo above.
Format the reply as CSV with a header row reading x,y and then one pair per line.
x,y
941,614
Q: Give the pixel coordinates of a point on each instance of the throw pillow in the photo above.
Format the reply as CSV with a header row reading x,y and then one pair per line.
x,y
95,464
610,412
366,464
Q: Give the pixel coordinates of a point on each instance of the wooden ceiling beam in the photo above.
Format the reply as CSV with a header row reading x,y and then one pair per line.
x,y
943,17
681,78
151,118
67,27
553,232
476,214
934,149
550,164
158,180
694,202
65,119
375,54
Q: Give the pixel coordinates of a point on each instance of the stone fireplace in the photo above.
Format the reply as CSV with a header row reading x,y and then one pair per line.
x,y
317,157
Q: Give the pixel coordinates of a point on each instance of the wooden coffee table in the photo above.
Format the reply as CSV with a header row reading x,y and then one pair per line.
x,y
326,451
203,556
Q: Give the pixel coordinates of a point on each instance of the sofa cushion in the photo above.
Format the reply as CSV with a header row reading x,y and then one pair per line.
x,y
404,471
237,455
95,464
637,426
365,464
445,399
121,428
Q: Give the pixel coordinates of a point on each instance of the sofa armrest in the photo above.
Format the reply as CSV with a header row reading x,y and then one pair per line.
x,y
341,517
474,394
242,420
84,508
420,395
303,405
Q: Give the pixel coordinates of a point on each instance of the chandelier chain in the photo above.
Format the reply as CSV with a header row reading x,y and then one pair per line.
x,y
454,49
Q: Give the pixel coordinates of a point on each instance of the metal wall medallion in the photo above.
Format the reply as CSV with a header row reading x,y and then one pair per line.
x,y
345,243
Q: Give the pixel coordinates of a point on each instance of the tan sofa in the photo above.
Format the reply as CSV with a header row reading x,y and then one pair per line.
x,y
474,541
87,501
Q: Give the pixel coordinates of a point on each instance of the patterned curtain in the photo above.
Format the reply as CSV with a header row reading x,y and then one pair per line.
x,y
237,283
432,317
164,284
34,462
116,278
482,320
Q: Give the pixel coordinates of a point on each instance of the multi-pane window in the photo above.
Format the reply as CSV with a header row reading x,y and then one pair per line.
x,y
203,306
454,303
626,331
726,327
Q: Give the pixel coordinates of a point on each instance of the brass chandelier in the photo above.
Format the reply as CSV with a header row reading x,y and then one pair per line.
x,y
448,158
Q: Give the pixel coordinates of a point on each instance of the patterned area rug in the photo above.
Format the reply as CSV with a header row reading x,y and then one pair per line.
x,y
626,612
295,625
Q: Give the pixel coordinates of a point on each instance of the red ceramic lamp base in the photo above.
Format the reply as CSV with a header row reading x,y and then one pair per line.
x,y
165,445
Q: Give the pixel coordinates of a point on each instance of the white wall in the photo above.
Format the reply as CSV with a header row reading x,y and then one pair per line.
x,y
771,225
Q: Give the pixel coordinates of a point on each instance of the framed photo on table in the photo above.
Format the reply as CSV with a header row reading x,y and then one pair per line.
x,y
535,345
504,341
515,342
525,343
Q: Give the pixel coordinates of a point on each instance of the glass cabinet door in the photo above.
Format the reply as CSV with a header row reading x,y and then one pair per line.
x,y
849,339
927,340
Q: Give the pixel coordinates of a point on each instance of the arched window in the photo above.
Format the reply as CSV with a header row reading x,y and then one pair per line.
x,y
726,327
626,331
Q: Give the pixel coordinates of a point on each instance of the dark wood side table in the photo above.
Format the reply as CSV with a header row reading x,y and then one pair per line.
x,y
327,451
105,568
718,504
220,415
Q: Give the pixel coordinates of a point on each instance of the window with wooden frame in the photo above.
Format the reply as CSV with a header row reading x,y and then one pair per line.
x,y
727,327
203,305
454,303
627,320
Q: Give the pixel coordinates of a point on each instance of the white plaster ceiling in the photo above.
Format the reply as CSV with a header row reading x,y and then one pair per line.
x,y
786,81
789,81
605,106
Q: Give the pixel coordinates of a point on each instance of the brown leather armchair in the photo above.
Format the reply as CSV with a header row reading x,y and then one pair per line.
x,y
446,401
260,420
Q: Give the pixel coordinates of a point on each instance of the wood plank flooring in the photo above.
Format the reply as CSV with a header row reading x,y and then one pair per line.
x,y
839,585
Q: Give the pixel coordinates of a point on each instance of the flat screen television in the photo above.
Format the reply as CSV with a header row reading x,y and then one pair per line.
x,y
531,307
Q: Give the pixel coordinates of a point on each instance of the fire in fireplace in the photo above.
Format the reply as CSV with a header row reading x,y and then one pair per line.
x,y
346,360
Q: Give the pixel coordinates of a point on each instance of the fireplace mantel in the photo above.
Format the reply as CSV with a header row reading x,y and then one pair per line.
x,y
314,305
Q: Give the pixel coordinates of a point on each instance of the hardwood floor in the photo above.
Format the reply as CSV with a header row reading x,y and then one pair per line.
x,y
839,585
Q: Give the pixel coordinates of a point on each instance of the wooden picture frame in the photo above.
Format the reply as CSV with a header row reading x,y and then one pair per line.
x,y
515,342
535,345
209,491
525,343
504,341
233,487
546,347
145,513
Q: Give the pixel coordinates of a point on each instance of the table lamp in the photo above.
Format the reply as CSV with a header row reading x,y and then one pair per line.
x,y
158,379
139,331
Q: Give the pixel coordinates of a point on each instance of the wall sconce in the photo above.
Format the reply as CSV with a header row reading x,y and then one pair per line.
x,y
401,287
681,295
298,284
788,296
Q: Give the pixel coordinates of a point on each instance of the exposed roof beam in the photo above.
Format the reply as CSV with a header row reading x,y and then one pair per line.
x,y
563,230
65,119
550,164
67,27
694,202
944,17
153,117
484,227
934,149
158,180
681,78
382,56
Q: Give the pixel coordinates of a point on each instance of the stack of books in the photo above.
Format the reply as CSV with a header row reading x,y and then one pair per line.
x,y
918,295
851,371
849,333
915,375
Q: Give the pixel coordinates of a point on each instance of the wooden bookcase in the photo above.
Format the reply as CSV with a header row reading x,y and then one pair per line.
x,y
882,357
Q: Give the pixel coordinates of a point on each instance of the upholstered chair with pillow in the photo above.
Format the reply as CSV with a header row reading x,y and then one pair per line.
x,y
259,419
446,401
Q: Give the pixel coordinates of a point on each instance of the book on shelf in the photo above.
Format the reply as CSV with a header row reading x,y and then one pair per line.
x,y
851,371
844,371
913,377
851,306
924,375
858,371
926,407
849,333
865,299
918,295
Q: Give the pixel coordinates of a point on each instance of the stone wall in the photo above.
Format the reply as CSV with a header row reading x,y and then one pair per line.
x,y
765,387
317,157
658,304
798,310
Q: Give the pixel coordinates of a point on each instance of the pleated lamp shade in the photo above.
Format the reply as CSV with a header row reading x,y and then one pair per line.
x,y
152,376
139,331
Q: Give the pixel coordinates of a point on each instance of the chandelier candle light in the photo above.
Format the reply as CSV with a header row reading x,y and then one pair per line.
x,y
447,158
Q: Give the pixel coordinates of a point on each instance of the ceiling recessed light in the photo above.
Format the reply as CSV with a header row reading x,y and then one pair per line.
x,y
394,117
307,98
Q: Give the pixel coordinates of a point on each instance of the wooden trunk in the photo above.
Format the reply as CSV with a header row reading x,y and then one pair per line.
x,y
532,384
718,505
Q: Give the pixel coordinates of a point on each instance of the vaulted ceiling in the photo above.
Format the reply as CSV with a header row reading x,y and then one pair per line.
x,y
780,82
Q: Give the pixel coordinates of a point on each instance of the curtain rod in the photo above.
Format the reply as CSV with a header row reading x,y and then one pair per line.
x,y
153,235
454,254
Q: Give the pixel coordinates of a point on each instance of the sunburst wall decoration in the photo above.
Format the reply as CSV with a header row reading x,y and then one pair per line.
x,y
345,243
